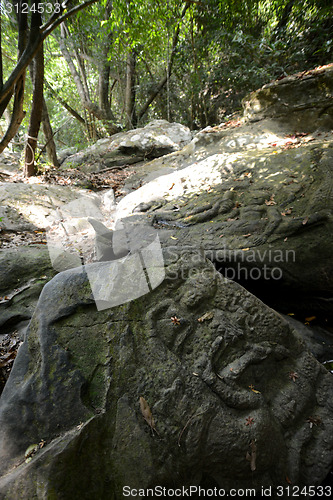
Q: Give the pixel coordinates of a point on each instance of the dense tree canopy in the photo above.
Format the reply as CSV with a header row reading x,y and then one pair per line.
x,y
108,65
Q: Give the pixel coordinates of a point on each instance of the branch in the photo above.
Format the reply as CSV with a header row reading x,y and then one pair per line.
x,y
55,15
48,27
164,79
17,115
64,103
33,46
1,71
65,33
20,67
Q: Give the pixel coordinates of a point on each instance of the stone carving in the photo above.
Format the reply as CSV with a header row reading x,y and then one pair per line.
x,y
230,385
249,204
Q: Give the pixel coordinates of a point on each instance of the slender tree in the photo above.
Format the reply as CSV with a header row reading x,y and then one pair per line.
x,y
27,49
130,111
163,81
48,134
37,78
71,55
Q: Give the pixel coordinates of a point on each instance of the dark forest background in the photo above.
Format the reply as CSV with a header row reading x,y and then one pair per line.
x,y
74,72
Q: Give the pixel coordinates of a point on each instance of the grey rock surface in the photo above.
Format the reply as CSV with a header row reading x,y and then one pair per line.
x,y
236,395
215,366
156,139
268,209
317,339
302,102
23,273
26,207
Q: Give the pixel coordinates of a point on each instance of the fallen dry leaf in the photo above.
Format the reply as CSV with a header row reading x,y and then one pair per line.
x,y
7,359
314,421
175,320
293,376
253,389
249,421
206,316
251,457
147,414
270,201
310,318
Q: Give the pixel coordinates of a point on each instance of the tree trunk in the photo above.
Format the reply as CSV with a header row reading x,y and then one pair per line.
x,y
165,78
65,104
104,91
37,77
285,16
130,91
26,53
48,134
18,89
1,70
104,98
17,115
103,87
105,116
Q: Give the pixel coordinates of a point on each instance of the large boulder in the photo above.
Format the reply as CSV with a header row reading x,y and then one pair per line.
x,y
28,207
255,195
23,273
262,215
156,139
197,382
300,102
283,113
26,210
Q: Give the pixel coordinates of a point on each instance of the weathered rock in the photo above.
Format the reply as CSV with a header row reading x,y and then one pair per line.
x,y
23,273
65,153
25,207
223,375
265,215
275,115
9,163
302,102
29,210
156,139
237,384
318,340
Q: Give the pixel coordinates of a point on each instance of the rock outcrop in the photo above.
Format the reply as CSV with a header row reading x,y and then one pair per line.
x,y
302,101
156,139
23,273
229,393
152,368
251,211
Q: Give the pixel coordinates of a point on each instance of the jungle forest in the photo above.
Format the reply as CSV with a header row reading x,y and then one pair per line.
x,y
73,72
166,270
